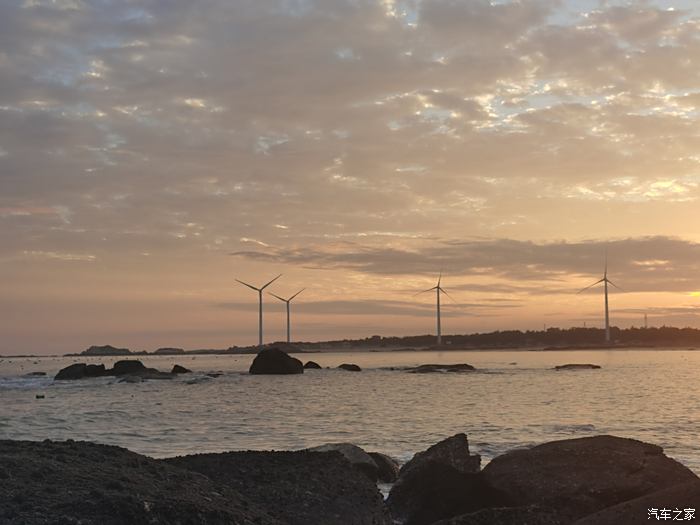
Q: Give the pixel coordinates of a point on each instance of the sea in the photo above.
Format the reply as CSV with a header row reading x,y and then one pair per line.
x,y
515,399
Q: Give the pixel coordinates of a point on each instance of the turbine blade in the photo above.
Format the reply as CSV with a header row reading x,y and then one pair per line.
x,y
448,295
278,297
591,286
428,290
616,286
439,279
272,281
248,285
293,296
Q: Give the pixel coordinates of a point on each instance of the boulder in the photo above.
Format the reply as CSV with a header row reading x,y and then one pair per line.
x,y
577,366
71,483
275,361
355,455
577,477
530,515
387,467
350,367
434,491
177,369
441,482
128,366
35,374
431,368
80,371
453,451
298,488
680,497
312,364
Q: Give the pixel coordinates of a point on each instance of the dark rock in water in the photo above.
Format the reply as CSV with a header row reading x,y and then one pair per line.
x,y
441,482
80,371
71,483
312,364
453,451
128,366
106,350
435,491
40,396
575,366
350,367
531,515
427,369
683,496
177,369
275,361
37,374
298,488
577,477
357,457
387,467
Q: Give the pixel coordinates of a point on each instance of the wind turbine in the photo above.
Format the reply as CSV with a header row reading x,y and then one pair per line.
x,y
260,296
605,281
437,289
287,301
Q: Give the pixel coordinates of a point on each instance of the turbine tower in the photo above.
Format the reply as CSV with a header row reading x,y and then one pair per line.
x,y
438,289
260,296
287,301
605,281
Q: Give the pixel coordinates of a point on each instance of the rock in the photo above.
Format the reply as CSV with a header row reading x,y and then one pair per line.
x,y
387,467
355,455
431,368
576,366
128,366
298,488
683,496
177,369
35,374
577,477
80,371
275,361
441,482
453,451
435,491
531,515
40,396
169,351
71,483
312,364
106,350
350,367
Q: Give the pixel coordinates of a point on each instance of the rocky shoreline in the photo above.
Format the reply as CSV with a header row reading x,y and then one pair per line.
x,y
584,481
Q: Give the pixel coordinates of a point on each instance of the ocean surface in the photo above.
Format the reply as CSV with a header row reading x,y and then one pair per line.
x,y
515,399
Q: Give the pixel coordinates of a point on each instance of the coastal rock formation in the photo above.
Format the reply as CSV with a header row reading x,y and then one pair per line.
x,y
298,488
105,350
426,369
387,467
312,365
683,496
84,483
350,367
177,369
169,351
275,361
129,367
577,366
80,371
531,515
441,482
577,477
453,452
357,457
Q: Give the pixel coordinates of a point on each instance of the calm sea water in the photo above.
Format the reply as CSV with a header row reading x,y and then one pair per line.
x,y
514,400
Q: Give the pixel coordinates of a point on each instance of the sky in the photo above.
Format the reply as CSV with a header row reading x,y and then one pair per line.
x,y
153,152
